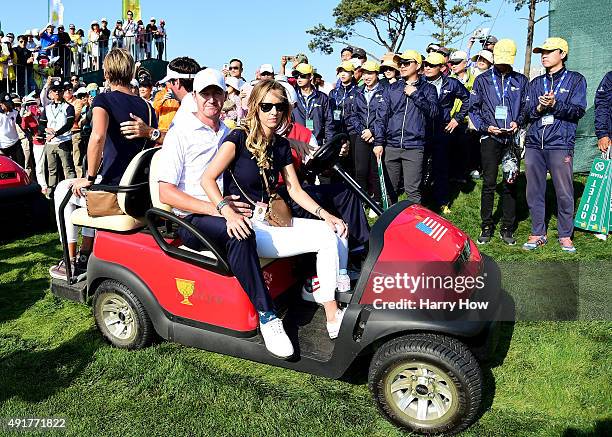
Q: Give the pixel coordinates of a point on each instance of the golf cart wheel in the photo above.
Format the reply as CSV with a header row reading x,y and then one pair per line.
x,y
426,383
121,317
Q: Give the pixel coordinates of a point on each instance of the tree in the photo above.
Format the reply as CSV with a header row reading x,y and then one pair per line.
x,y
450,17
531,22
390,20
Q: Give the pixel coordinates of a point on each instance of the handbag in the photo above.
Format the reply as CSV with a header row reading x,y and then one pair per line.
x,y
101,203
278,213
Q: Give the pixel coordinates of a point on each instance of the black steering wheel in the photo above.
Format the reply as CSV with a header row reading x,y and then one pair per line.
x,y
327,155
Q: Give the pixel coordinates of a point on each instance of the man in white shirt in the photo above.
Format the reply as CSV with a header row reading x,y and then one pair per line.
x,y
129,26
190,145
10,144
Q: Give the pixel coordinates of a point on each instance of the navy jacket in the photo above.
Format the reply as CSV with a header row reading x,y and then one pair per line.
x,y
452,89
320,113
603,107
366,112
401,120
569,107
343,99
484,99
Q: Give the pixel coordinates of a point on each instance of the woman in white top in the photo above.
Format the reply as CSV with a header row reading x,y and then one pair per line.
x,y
94,48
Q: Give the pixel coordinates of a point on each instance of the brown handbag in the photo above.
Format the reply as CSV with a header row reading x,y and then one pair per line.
x,y
278,214
103,203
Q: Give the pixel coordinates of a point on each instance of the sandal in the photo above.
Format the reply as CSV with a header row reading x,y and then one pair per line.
x,y
535,241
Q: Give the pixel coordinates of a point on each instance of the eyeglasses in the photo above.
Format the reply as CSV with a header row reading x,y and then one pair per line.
x,y
74,80
406,62
266,73
457,62
280,107
233,67
428,65
298,75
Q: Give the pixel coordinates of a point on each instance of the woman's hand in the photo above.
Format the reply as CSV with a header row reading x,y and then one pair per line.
x,y
238,226
240,207
336,224
78,184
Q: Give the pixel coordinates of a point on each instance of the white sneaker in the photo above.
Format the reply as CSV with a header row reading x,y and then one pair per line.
x,y
276,339
602,237
334,327
344,283
475,174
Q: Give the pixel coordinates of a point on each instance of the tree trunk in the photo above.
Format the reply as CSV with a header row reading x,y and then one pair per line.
x,y
529,46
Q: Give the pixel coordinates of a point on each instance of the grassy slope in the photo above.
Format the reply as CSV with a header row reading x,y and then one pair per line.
x,y
555,379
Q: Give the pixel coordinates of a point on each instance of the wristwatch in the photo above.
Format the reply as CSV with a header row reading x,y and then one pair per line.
x,y
91,178
155,134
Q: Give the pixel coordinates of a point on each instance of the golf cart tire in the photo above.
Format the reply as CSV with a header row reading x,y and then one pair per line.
x,y
432,354
141,332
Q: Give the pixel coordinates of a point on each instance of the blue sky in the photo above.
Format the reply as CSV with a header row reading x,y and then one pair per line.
x,y
256,31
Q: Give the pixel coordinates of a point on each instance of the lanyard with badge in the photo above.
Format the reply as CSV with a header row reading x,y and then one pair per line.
x,y
501,111
549,118
306,102
260,208
338,113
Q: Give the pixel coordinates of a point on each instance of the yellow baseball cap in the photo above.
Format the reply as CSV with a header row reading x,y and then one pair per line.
x,y
434,58
504,52
553,43
304,68
413,55
371,66
346,66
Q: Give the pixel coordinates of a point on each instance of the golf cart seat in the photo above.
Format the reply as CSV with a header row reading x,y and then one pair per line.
x,y
155,169
132,196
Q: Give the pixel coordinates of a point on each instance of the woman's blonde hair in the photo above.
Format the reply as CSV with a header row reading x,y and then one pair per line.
x,y
119,67
256,141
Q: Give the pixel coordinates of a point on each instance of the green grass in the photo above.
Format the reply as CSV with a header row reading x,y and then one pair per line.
x,y
554,381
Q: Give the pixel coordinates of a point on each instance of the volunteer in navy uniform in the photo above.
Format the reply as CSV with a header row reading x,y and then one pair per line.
x,y
313,109
555,102
496,107
449,89
401,123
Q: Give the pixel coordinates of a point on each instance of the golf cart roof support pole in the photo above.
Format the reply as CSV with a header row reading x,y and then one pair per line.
x,y
62,226
358,190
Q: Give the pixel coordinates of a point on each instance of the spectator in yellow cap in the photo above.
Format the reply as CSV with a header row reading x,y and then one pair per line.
x,y
497,102
556,101
448,89
400,126
313,108
389,69
342,99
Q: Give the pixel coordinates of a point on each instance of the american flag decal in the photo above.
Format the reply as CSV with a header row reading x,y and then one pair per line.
x,y
432,228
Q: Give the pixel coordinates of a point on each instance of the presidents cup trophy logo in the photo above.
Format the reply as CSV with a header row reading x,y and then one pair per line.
x,y
186,288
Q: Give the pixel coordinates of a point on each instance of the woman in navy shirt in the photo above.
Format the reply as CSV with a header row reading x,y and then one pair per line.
x,y
252,158
109,111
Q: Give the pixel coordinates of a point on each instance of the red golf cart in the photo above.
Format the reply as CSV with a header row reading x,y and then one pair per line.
x,y
424,370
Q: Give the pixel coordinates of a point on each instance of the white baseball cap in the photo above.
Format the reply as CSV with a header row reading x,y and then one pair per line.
x,y
94,22
103,20
208,77
234,82
459,55
485,54
266,68
171,74
81,90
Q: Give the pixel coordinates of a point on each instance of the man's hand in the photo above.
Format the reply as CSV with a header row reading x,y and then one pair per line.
x,y
547,100
366,135
378,151
451,126
238,206
513,126
604,143
344,151
494,130
409,89
136,128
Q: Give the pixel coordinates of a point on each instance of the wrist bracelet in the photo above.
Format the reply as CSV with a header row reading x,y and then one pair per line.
x,y
220,205
318,211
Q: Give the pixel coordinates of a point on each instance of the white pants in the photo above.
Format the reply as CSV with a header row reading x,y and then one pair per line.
x,y
306,235
75,202
39,161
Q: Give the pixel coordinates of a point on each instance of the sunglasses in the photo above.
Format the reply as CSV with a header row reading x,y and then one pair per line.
x,y
266,73
407,62
234,68
428,65
280,107
297,75
456,62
